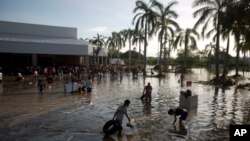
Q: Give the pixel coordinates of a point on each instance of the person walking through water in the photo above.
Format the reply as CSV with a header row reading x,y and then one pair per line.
x,y
88,85
147,92
119,114
40,86
181,79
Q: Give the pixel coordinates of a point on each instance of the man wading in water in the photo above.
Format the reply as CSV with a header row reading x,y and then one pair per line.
x,y
119,114
147,92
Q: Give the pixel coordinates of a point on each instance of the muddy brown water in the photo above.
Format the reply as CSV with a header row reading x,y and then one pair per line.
x,y
27,115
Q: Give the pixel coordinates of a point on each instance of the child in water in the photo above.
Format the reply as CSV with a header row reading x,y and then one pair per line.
x,y
178,112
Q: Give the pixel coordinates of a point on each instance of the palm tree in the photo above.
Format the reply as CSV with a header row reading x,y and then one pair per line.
x,y
110,43
98,40
119,42
165,25
115,42
244,49
238,12
138,38
188,37
128,35
210,11
144,19
210,49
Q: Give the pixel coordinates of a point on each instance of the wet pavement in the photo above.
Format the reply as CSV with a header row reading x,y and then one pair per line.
x,y
27,115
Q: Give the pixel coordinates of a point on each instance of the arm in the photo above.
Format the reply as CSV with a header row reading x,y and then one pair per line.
x,y
174,119
115,115
127,116
144,90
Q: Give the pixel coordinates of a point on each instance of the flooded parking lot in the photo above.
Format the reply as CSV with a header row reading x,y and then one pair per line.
x,y
27,115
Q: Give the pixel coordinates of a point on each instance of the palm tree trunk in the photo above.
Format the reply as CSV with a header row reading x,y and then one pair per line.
x,y
185,53
226,58
244,66
118,54
129,54
217,50
110,57
145,48
185,60
139,55
237,55
160,62
169,51
164,57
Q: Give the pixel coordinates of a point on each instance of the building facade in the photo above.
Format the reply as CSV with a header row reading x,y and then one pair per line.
x,y
31,45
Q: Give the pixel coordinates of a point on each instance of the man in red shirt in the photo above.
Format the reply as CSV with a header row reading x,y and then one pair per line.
x,y
147,92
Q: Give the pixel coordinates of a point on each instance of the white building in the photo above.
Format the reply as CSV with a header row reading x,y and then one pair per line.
x,y
32,44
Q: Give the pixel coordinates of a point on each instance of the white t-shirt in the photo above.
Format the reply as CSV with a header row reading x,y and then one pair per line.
x,y
120,112
35,73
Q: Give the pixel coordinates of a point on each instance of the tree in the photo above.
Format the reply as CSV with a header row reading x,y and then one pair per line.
x,y
210,11
210,49
111,44
115,42
138,38
165,25
98,40
128,35
144,19
238,12
188,37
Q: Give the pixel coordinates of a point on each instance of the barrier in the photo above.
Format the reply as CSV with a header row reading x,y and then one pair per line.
x,y
188,102
69,87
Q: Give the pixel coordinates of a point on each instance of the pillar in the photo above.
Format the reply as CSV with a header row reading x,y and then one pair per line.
x,y
86,61
34,59
81,60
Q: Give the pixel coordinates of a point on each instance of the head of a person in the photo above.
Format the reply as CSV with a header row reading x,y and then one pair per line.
x,y
126,102
148,84
170,111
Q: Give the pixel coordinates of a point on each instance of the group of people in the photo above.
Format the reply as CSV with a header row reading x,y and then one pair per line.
x,y
86,86
147,91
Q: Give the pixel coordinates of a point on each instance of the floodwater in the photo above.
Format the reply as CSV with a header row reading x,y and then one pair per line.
x,y
53,116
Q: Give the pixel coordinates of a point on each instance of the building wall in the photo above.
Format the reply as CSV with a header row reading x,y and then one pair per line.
x,y
37,30
24,44
39,48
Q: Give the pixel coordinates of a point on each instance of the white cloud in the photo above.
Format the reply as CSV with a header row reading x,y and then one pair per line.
x,y
98,29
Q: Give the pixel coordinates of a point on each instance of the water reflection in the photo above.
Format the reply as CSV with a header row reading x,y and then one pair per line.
x,y
217,108
40,98
181,130
146,107
108,138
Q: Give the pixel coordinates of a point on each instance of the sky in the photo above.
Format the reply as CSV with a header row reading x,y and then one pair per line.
x,y
90,16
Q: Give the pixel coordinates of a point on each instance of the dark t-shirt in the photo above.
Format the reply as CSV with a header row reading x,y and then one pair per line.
x,y
182,113
148,90
178,111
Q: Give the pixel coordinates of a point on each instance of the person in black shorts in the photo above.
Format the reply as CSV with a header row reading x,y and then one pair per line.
x,y
178,112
